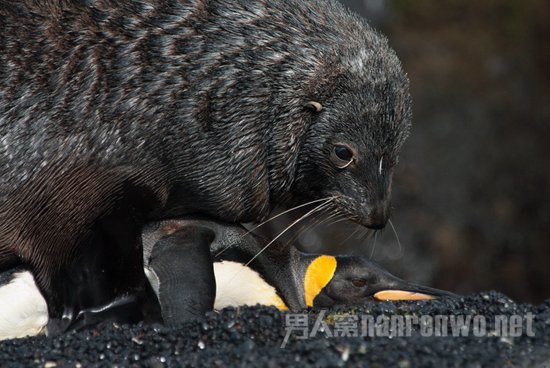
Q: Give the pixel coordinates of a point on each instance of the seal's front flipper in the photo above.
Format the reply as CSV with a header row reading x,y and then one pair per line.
x,y
181,264
105,280
106,284
124,309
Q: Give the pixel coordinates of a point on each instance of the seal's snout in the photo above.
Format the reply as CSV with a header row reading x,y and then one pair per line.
x,y
371,214
376,216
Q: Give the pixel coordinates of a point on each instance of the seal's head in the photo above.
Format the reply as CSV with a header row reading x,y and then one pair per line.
x,y
299,100
360,119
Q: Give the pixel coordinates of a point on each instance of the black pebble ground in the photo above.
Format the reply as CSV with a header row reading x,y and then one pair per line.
x,y
253,336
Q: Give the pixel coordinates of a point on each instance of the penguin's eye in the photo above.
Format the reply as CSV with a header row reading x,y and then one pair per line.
x,y
359,283
342,156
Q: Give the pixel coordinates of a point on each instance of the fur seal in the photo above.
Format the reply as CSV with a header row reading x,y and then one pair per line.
x,y
114,114
281,276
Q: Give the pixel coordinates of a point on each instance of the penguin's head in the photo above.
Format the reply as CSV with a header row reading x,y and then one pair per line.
x,y
349,280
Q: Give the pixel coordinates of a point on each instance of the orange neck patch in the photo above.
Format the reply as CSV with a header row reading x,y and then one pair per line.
x,y
318,275
279,304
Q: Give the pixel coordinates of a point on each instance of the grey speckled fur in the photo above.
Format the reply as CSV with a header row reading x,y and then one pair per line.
x,y
140,110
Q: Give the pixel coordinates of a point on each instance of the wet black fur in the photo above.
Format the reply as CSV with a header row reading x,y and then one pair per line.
x,y
151,109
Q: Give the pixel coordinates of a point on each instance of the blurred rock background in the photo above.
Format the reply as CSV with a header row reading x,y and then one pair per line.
x,y
471,201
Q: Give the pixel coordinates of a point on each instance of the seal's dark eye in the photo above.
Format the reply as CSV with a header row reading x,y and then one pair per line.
x,y
359,283
343,153
342,156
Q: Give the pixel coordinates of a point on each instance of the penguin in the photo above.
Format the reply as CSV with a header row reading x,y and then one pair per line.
x,y
250,270
245,274
23,310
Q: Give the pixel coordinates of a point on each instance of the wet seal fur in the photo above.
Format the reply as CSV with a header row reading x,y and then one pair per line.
x,y
118,113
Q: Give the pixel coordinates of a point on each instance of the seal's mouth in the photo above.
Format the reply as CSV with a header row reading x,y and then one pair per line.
x,y
371,215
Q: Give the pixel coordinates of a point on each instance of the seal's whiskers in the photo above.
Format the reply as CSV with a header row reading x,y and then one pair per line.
x,y
322,221
318,208
338,220
275,217
285,212
374,245
396,237
357,228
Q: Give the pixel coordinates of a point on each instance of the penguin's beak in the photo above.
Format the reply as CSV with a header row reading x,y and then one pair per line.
x,y
401,295
411,292
390,287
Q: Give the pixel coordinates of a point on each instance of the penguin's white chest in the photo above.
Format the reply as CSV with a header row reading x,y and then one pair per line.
x,y
23,310
239,285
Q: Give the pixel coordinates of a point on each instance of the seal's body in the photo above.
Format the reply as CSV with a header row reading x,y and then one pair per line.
x,y
117,113
280,276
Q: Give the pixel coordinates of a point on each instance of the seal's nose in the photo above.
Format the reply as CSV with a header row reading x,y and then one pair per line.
x,y
378,216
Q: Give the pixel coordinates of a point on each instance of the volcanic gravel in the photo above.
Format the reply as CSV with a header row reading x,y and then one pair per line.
x,y
252,336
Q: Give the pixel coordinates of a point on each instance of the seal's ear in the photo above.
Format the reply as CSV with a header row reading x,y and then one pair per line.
x,y
314,106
